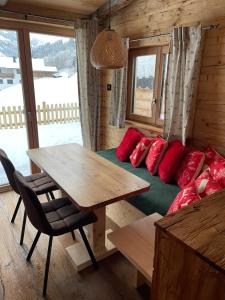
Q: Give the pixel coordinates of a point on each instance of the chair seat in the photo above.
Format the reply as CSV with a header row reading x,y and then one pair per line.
x,y
41,183
63,216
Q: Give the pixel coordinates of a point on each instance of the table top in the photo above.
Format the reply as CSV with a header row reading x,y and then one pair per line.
x,y
201,227
136,242
88,179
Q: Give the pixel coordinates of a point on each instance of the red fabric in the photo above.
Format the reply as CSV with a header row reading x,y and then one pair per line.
x,y
171,160
190,168
217,171
155,155
141,150
206,185
131,138
185,197
211,155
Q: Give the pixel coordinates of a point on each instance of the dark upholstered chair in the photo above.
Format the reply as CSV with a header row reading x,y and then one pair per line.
x,y
53,218
40,183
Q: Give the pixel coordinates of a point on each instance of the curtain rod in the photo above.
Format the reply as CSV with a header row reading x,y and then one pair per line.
x,y
26,15
210,27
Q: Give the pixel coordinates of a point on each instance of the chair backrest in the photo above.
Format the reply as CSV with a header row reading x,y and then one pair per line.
x,y
9,169
32,205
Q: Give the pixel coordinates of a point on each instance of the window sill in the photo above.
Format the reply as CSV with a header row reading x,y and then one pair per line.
x,y
148,127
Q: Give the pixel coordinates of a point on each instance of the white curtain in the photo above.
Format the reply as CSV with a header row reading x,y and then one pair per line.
x,y
119,94
89,83
182,81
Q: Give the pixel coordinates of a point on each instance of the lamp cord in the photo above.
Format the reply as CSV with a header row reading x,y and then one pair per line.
x,y
110,14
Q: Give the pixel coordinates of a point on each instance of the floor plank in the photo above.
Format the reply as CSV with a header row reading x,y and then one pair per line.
x,y
20,280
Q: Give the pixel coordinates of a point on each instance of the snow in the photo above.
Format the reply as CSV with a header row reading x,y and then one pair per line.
x,y
50,90
38,64
14,143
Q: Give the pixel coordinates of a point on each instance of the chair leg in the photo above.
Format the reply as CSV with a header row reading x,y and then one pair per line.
x,y
33,245
52,195
16,209
47,265
87,245
23,227
47,196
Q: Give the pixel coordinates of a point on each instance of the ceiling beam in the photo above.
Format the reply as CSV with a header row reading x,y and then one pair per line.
x,y
41,11
116,5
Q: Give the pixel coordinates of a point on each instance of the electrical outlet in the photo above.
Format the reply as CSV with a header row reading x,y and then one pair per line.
x,y
109,87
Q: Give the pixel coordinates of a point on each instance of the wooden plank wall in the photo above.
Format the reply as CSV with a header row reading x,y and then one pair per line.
x,y
150,17
210,110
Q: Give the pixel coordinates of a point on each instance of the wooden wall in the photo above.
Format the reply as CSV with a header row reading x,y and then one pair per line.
x,y
149,17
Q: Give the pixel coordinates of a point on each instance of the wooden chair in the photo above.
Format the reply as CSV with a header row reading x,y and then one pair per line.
x,y
40,183
53,218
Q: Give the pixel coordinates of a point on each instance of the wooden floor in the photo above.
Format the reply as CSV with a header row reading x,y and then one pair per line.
x,y
20,280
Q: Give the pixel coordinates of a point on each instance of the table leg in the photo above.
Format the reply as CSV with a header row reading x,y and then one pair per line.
x,y
97,236
96,231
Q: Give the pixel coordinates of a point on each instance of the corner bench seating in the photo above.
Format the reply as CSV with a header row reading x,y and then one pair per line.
x,y
160,196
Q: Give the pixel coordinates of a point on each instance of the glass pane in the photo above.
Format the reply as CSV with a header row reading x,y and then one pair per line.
x,y
144,85
13,135
163,82
56,89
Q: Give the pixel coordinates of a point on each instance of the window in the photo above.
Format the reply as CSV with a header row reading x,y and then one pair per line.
x,y
9,81
1,81
146,83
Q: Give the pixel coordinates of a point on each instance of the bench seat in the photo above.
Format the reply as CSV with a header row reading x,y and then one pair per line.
x,y
158,198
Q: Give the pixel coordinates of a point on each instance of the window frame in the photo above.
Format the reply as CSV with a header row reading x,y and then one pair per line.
x,y
159,50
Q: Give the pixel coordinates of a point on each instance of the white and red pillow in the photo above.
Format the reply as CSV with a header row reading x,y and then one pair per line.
x,y
171,160
211,156
184,198
131,138
206,185
190,168
217,171
155,155
141,150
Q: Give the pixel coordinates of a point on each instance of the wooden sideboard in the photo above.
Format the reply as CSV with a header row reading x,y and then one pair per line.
x,y
189,258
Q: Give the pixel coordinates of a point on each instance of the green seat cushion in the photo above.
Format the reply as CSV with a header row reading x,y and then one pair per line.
x,y
158,198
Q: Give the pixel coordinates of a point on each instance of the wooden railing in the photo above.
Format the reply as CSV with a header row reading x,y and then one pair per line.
x,y
13,116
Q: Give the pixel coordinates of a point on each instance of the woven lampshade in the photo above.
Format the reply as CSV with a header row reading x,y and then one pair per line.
x,y
108,51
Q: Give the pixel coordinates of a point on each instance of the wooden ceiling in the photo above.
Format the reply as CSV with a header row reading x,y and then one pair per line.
x,y
83,7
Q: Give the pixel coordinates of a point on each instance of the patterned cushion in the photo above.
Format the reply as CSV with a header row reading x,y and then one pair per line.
x,y
206,185
211,155
155,155
171,160
190,168
217,171
141,150
185,197
131,138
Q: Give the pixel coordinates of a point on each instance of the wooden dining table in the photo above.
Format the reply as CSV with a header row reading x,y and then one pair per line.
x,y
91,182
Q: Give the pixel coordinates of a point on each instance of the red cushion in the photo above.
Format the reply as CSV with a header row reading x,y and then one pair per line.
x,y
131,138
155,155
206,185
171,160
190,168
185,197
217,171
211,155
141,150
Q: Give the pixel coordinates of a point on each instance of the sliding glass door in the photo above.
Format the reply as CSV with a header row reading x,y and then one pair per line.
x,y
39,104
13,132
54,67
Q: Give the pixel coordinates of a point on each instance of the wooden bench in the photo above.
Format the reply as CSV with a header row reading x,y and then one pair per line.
x,y
136,242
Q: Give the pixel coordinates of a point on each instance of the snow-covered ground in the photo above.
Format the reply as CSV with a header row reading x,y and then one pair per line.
x,y
49,90
14,143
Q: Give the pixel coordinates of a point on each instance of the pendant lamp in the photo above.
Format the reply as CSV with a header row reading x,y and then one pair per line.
x,y
108,51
